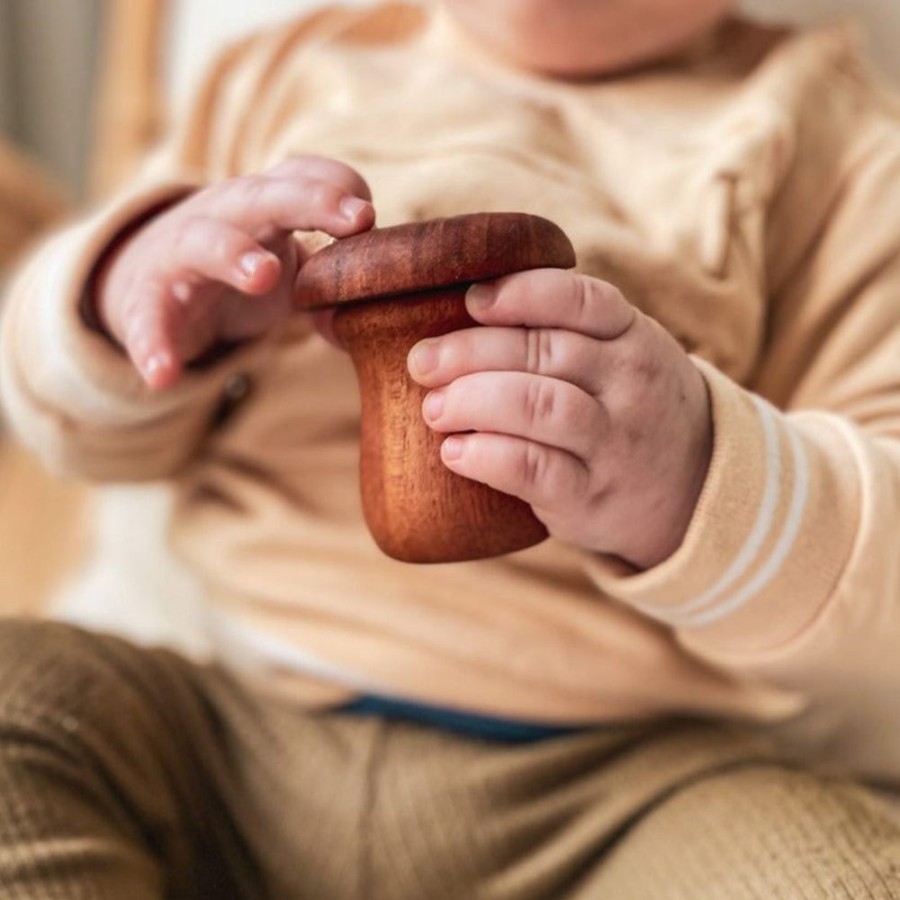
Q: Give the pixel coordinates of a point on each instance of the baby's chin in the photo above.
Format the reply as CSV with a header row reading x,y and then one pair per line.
x,y
619,59
588,38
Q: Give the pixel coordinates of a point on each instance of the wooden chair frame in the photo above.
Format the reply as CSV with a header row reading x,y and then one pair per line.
x,y
40,516
130,104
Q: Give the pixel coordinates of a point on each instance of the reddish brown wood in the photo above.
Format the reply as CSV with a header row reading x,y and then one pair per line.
x,y
394,287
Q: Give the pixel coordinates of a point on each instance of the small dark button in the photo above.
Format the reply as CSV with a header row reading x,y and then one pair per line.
x,y
238,387
237,390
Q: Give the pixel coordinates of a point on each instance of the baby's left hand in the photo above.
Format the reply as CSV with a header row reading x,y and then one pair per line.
x,y
577,403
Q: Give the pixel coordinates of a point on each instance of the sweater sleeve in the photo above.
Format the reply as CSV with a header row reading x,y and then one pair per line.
x,y
69,392
790,570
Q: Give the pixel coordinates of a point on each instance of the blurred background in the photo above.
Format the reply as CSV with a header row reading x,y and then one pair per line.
x,y
54,55
85,87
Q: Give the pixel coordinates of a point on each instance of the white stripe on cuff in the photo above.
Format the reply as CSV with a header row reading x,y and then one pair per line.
x,y
762,526
785,543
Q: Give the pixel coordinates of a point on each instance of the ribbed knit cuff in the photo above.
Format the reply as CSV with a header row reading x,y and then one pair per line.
x,y
771,533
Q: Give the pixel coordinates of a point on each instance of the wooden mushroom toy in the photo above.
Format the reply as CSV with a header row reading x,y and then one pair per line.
x,y
391,288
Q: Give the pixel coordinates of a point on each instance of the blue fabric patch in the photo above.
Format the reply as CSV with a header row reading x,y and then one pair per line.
x,y
467,724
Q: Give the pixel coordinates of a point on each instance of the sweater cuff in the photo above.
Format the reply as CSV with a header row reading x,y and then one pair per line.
x,y
771,534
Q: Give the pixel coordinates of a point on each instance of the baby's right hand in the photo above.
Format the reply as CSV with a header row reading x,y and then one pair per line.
x,y
220,266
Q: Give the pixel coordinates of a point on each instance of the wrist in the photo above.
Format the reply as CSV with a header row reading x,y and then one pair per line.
x,y
667,514
663,545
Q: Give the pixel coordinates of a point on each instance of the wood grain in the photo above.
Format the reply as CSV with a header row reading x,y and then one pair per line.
x,y
129,115
392,288
422,256
30,202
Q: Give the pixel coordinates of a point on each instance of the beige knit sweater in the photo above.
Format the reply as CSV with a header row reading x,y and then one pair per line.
x,y
746,194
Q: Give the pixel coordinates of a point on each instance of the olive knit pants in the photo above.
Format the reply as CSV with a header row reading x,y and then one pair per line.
x,y
128,774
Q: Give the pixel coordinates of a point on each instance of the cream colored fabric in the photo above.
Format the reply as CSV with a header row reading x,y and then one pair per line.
x,y
734,197
196,31
199,28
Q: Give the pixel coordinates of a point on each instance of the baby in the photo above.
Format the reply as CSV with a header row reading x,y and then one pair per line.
x,y
705,415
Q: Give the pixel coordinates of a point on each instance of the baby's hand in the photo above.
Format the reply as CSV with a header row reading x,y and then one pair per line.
x,y
592,413
221,265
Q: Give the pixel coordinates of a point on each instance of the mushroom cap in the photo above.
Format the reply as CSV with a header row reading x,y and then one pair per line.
x,y
424,256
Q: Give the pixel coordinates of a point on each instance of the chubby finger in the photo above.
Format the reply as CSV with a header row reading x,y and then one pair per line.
x,y
545,477
149,340
269,205
553,298
323,168
554,352
213,250
545,410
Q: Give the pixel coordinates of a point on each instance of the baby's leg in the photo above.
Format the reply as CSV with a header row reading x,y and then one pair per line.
x,y
108,765
758,832
665,811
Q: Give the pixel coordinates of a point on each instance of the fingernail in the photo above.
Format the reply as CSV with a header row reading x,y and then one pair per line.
x,y
452,449
433,406
480,297
250,262
351,207
424,357
156,364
